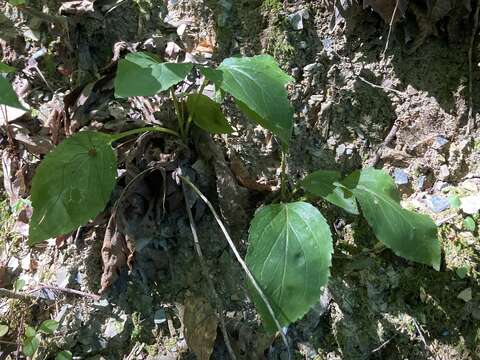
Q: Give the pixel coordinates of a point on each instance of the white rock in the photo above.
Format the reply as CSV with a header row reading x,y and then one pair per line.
x,y
465,295
470,204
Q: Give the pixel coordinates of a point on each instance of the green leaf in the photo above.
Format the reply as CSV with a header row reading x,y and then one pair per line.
x,y
72,185
3,330
410,235
454,201
16,2
64,355
326,184
30,346
207,114
290,252
18,285
4,68
258,85
469,224
30,332
7,94
48,327
141,74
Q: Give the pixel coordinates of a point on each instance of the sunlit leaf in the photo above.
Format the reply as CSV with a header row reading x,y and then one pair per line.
x,y
289,253
141,74
325,183
48,326
72,185
410,235
258,85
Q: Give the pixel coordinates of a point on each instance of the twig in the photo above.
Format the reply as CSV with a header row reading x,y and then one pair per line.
x,y
242,263
10,135
210,283
388,139
390,29
399,93
419,332
20,295
471,119
383,345
71,291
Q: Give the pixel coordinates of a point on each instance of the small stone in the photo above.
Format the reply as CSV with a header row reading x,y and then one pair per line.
x,y
302,45
159,317
465,295
62,277
181,29
439,142
401,176
349,151
444,172
296,19
114,326
296,72
438,203
340,150
327,44
421,182
470,204
311,67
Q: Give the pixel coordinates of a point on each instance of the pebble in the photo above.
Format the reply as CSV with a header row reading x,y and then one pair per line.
x,y
401,176
470,204
159,317
311,67
340,150
439,142
465,295
438,203
444,172
421,182
296,19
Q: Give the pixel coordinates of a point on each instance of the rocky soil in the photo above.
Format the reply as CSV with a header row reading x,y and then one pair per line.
x,y
366,94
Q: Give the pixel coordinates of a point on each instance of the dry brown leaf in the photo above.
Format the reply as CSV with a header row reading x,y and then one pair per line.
x,y
199,326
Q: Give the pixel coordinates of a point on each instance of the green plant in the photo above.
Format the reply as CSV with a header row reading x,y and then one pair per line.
x,y
290,243
32,337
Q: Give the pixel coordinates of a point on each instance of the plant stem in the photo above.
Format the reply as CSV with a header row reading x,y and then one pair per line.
x,y
142,130
283,189
10,135
180,119
204,268
240,260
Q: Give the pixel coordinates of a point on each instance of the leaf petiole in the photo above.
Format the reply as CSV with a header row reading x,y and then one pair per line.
x,y
142,130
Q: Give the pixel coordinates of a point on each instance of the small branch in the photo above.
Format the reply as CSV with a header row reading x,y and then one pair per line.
x,y
210,283
71,291
240,260
419,332
399,93
20,295
388,139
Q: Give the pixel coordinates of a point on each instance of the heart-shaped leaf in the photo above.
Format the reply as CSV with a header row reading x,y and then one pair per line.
x,y
207,114
290,252
48,327
410,235
141,74
30,346
325,183
258,85
72,185
7,94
